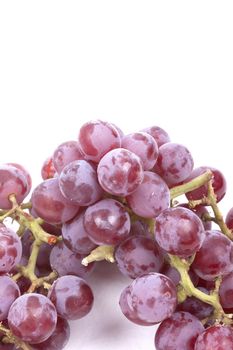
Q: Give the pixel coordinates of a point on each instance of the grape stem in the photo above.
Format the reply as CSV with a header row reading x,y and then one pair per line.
x,y
103,252
12,339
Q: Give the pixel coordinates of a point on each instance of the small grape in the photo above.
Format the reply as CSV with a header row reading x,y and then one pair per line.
x,y
10,249
120,172
48,171
25,173
159,134
66,153
72,297
217,337
9,291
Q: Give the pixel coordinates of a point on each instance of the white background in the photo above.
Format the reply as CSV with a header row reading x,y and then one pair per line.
x,y
135,63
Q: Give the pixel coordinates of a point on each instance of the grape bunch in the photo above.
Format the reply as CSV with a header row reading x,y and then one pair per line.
x,y
110,196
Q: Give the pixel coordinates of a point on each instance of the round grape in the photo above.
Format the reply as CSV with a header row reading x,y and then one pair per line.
x,y
229,219
25,173
226,291
9,291
201,211
48,171
159,134
10,249
66,153
217,337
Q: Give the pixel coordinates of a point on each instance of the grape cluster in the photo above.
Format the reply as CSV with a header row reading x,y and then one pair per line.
x,y
112,196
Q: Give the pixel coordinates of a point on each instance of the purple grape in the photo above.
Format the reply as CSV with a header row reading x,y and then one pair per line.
x,y
96,138
66,153
180,331
219,184
72,297
25,173
75,236
144,146
10,249
174,163
59,338
50,205
151,197
65,262
150,299
27,240
215,257
229,219
107,222
159,134
32,317
139,228
138,255
217,337
13,181
78,183
9,291
200,211
48,171
226,291
179,231
174,275
120,172
44,256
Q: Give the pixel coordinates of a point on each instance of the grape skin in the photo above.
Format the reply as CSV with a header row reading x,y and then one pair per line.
x,y
66,153
72,297
9,291
144,146
174,275
200,211
215,257
75,236
78,183
96,138
32,317
107,222
159,134
48,171
174,163
25,173
151,298
120,172
179,231
180,331
229,219
49,204
215,338
151,197
226,291
138,255
10,249
66,262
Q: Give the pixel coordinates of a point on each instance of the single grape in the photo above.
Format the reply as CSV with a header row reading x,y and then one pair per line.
x,y
151,197
229,219
200,211
180,331
32,317
9,291
25,173
151,298
174,163
65,262
59,338
226,291
50,204
219,184
72,297
217,337
179,231
96,138
215,257
196,307
75,236
48,171
107,222
10,249
159,134
78,183
66,153
13,181
138,255
120,172
144,146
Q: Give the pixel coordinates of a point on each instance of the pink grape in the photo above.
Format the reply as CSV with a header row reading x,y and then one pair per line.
x,y
96,138
179,231
78,183
159,134
226,291
138,255
50,204
25,174
120,172
66,153
215,257
9,291
217,337
151,298
174,163
107,222
151,197
10,249
229,219
13,181
200,211
48,171
219,184
32,317
72,297
76,237
180,331
144,146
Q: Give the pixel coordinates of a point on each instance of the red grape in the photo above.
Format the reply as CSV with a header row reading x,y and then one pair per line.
x,y
200,211
25,174
66,153
159,134
229,219
10,249
48,171
226,291
9,291
217,337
